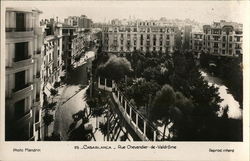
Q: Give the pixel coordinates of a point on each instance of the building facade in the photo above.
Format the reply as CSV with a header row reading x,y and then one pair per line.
x,y
23,64
144,36
79,21
68,33
221,38
52,60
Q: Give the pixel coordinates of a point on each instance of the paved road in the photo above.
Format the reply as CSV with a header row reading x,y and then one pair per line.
x,y
72,101
228,99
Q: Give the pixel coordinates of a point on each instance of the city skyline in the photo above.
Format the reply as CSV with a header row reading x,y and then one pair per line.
x,y
103,11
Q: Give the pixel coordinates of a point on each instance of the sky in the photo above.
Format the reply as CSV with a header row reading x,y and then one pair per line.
x,y
100,11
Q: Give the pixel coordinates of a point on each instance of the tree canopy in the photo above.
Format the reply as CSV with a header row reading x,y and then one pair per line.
x,y
115,68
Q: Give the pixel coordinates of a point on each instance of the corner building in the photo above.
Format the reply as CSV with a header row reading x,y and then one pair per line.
x,y
221,39
22,85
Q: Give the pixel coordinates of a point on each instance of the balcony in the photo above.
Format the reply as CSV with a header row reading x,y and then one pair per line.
x,y
17,63
22,90
38,52
38,75
14,29
24,118
19,32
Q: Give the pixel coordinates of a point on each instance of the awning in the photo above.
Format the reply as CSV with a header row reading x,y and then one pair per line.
x,y
47,89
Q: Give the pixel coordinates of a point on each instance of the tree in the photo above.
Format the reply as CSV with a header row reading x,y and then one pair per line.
x,y
162,105
171,107
48,118
115,68
53,92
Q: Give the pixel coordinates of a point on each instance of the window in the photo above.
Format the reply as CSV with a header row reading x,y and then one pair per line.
x,y
121,48
21,51
19,109
223,52
167,37
20,21
37,116
154,43
230,38
223,45
154,49
134,42
141,48
134,48
160,43
19,80
224,38
148,36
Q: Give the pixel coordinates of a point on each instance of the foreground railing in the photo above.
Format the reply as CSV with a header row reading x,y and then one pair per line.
x,y
139,123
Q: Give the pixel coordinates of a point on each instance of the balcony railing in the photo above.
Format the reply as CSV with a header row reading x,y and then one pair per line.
x,y
38,75
20,87
9,29
21,59
22,91
24,117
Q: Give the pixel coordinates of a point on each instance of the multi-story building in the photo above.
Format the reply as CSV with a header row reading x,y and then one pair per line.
x,y
23,64
71,21
68,33
79,44
84,22
52,60
144,36
221,38
79,21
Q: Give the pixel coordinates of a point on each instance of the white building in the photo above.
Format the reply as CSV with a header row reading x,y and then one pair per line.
x,y
23,64
144,36
221,38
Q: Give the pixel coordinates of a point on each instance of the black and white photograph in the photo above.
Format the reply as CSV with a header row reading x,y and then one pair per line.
x,y
161,79
165,72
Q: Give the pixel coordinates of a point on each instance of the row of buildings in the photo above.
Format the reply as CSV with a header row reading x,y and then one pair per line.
x,y
36,52
221,38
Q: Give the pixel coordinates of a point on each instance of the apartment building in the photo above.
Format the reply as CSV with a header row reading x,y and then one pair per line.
x,y
52,57
145,36
23,60
79,43
68,33
84,22
221,38
79,21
